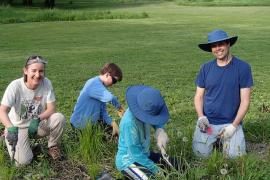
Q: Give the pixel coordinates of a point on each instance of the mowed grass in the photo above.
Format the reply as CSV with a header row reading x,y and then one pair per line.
x,y
160,51
224,2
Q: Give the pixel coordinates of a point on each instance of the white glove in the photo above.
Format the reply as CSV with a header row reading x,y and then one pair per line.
x,y
227,132
162,139
203,123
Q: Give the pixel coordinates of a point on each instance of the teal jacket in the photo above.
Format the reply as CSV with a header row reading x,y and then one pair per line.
x,y
134,143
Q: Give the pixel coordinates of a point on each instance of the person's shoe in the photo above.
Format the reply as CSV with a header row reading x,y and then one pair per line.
x,y
37,150
105,176
55,153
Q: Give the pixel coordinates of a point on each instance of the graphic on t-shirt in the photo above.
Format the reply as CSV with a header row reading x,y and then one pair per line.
x,y
31,108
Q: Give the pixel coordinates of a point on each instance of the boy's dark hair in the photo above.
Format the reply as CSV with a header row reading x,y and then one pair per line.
x,y
113,70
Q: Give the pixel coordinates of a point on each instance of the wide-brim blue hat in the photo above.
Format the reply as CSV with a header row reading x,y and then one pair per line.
x,y
217,36
147,104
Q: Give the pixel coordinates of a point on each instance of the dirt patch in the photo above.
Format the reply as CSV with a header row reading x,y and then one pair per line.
x,y
68,169
261,149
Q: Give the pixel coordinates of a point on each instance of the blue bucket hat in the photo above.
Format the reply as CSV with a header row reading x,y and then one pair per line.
x,y
217,36
147,104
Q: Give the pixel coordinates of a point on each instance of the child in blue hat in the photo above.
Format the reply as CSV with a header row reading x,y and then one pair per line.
x,y
146,108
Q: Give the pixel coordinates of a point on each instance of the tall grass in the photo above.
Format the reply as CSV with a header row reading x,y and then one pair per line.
x,y
95,149
258,130
224,2
7,169
9,15
160,51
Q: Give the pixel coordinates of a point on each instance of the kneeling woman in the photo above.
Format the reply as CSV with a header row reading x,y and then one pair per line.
x,y
28,110
146,108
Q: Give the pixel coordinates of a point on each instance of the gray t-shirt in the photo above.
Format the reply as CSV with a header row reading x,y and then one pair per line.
x,y
26,103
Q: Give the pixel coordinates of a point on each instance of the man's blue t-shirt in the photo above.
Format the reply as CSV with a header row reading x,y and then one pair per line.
x,y
91,104
222,89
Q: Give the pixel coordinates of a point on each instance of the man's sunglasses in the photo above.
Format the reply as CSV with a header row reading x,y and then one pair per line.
x,y
114,80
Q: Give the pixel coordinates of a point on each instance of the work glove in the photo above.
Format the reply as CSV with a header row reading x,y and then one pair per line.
x,y
115,127
162,139
33,127
12,136
227,132
203,123
121,112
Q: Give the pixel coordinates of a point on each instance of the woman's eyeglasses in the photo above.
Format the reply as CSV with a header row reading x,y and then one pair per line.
x,y
35,59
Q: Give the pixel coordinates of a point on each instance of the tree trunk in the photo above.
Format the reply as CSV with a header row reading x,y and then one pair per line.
x,y
50,3
27,2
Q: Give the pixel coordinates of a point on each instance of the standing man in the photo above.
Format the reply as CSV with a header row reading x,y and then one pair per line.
x,y
222,98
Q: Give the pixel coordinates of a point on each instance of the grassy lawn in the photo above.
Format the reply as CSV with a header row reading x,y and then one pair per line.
x,y
224,2
159,50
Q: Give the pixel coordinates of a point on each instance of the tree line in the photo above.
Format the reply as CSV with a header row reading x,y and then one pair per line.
x,y
47,3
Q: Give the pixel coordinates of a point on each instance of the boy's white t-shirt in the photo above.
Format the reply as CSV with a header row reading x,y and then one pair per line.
x,y
25,103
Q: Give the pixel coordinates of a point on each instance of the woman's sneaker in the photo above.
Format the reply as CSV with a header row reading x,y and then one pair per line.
x,y
55,153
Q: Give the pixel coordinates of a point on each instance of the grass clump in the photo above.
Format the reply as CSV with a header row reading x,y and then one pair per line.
x,y
96,150
10,15
7,171
91,144
160,51
224,2
258,130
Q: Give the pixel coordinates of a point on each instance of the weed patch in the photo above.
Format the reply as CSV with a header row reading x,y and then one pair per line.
x,y
160,51
224,2
9,15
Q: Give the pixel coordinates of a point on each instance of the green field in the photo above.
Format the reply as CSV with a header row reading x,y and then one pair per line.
x,y
157,46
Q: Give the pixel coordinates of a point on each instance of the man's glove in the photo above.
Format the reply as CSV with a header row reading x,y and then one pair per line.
x,y
33,127
203,123
12,136
227,132
162,139
115,127
121,111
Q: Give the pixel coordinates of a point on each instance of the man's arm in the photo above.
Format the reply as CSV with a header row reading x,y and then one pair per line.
x,y
4,110
244,105
198,101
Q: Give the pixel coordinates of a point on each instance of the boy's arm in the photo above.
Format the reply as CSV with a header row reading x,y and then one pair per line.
x,y
105,115
109,121
100,93
115,103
